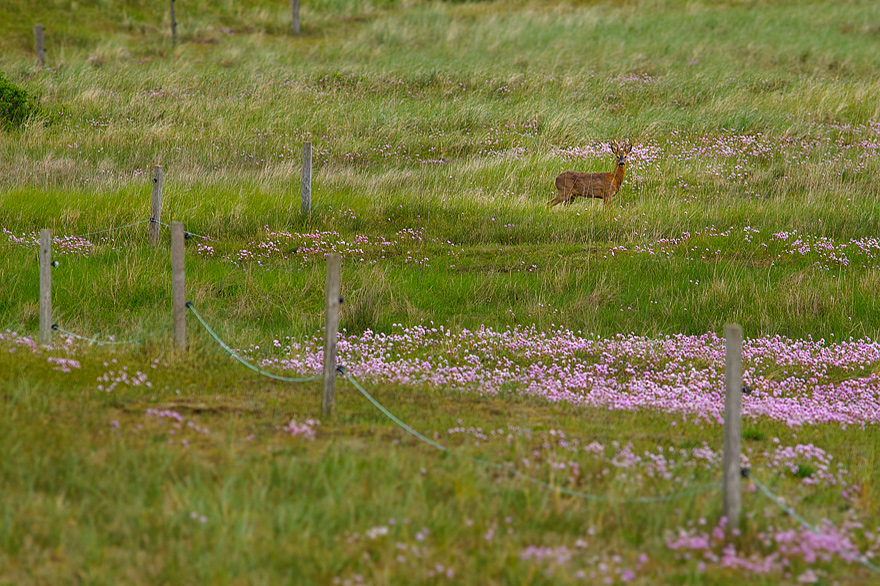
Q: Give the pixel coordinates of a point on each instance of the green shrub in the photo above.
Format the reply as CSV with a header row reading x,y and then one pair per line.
x,y
16,105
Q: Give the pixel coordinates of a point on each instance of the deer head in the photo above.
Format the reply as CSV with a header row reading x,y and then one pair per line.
x,y
621,152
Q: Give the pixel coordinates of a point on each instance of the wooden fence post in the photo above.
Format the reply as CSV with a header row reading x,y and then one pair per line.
x,y
45,286
173,25
733,341
331,327
39,39
156,205
294,11
178,284
307,178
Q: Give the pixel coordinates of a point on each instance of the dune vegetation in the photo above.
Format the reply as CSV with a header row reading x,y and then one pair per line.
x,y
569,358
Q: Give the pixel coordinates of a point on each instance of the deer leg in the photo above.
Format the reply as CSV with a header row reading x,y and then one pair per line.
x,y
560,197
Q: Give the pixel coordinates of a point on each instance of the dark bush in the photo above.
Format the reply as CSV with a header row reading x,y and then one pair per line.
x,y
16,105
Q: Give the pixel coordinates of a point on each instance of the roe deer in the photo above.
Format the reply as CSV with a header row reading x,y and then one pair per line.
x,y
572,184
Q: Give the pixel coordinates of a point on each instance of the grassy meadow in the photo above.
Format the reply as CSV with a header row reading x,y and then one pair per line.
x,y
751,196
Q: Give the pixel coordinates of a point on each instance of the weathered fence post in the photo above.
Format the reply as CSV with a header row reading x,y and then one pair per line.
x,y
294,11
156,205
173,25
331,327
39,39
45,286
733,341
178,284
307,178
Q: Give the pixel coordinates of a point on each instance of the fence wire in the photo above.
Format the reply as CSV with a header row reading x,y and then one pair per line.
x,y
862,559
186,233
58,328
235,355
105,230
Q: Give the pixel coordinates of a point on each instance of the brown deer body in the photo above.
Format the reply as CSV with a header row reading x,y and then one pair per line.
x,y
572,184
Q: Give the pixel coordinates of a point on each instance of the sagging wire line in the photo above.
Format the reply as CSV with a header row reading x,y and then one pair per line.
x,y
862,559
186,233
58,328
602,498
106,230
341,370
235,355
575,493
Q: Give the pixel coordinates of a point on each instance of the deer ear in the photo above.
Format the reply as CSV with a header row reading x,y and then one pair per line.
x,y
615,148
628,148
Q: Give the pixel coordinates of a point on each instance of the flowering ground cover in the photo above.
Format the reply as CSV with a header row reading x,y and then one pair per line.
x,y
797,382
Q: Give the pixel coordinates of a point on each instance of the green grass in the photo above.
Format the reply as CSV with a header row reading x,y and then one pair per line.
x,y
450,120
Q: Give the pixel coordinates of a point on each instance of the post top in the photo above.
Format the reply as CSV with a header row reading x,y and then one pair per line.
x,y
732,328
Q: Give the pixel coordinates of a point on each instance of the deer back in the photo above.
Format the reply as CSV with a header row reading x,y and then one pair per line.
x,y
587,184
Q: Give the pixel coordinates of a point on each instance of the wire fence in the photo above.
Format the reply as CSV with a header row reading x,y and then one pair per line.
x,y
517,473
187,233
114,229
235,355
506,468
858,556
420,436
111,341
862,559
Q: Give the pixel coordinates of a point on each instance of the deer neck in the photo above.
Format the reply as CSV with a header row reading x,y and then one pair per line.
x,y
619,172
